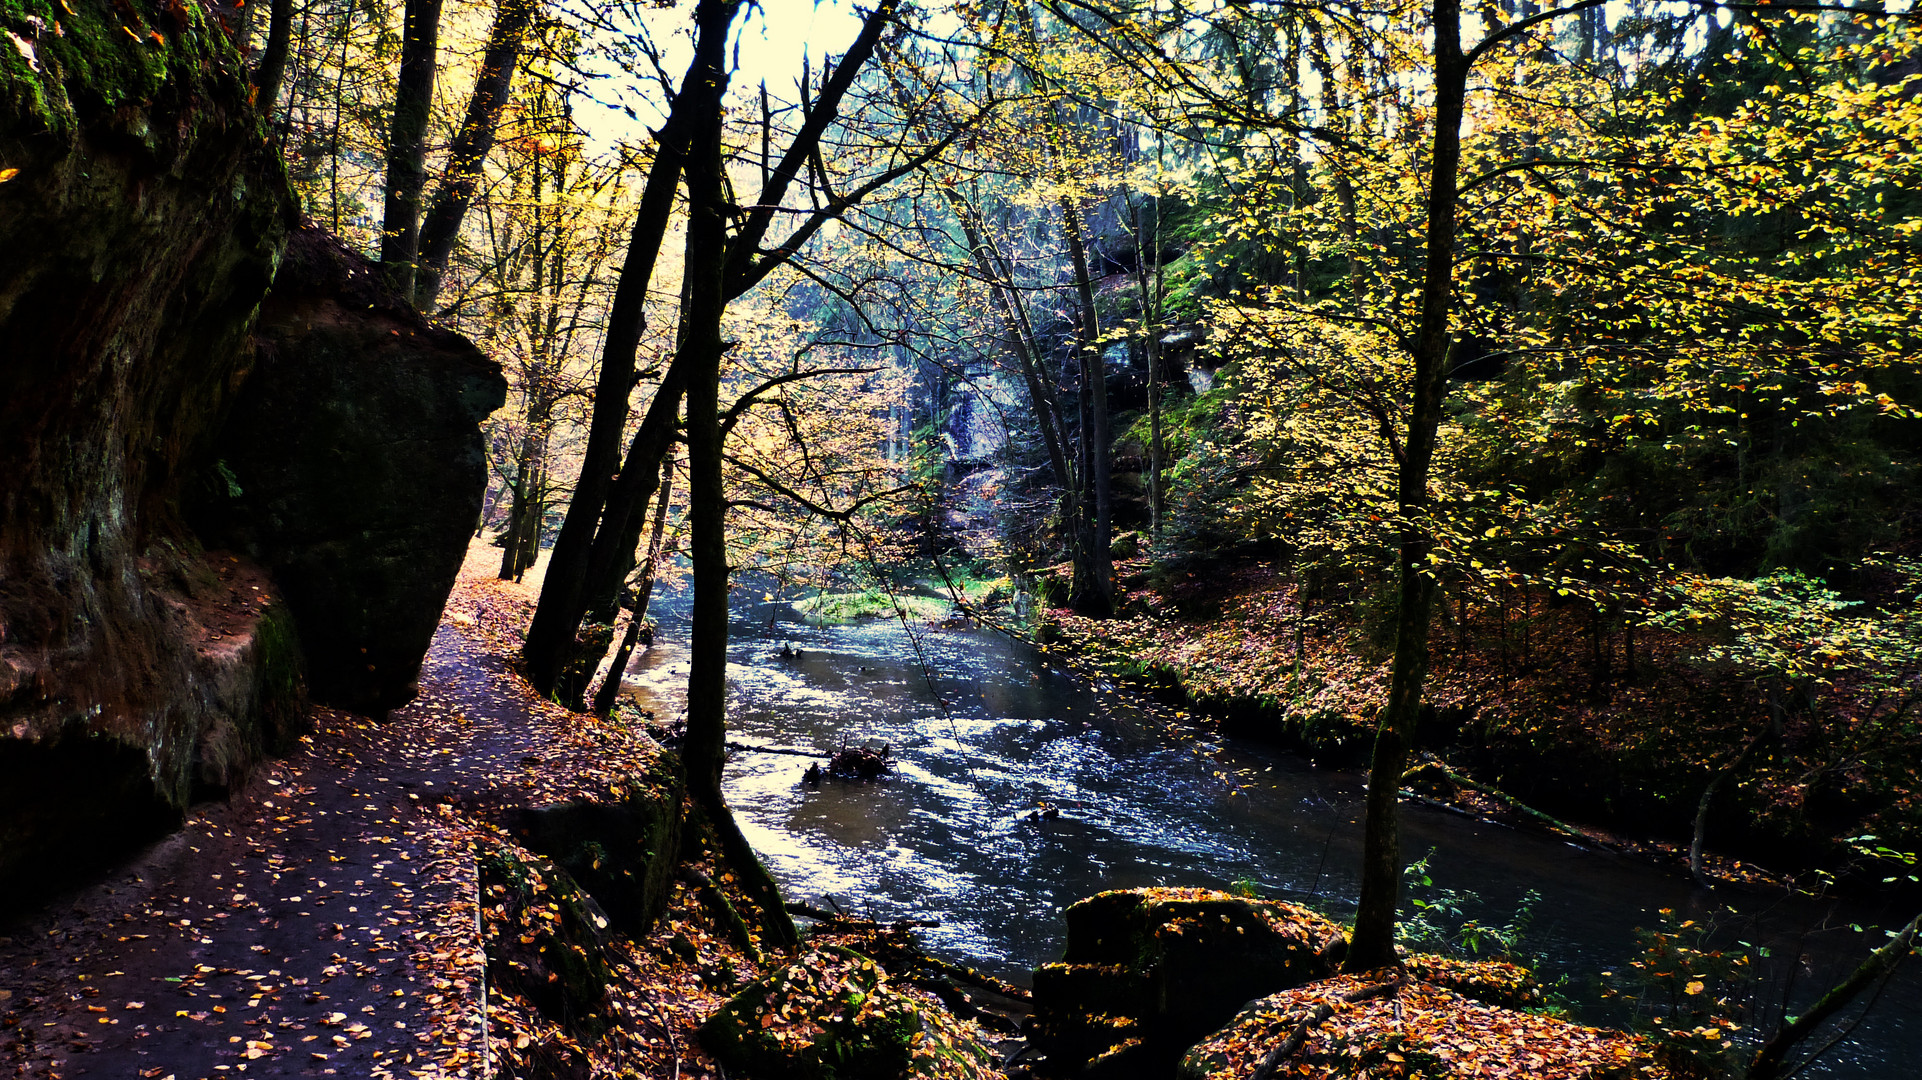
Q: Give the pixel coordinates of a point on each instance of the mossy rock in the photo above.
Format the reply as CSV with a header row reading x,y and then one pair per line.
x,y
834,1015
547,940
1419,1030
622,846
1160,968
1086,1010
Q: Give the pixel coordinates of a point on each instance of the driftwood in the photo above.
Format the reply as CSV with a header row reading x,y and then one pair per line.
x,y
857,921
788,750
1770,1062
1553,825
864,762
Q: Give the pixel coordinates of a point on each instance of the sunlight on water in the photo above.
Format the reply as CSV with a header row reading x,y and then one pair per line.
x,y
990,732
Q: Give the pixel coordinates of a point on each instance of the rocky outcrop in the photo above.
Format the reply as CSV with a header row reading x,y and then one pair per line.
x,y
140,221
834,1014
143,213
1147,972
622,843
352,469
1402,1023
547,941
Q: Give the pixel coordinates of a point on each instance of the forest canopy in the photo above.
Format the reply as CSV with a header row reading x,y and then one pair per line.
x,y
1551,369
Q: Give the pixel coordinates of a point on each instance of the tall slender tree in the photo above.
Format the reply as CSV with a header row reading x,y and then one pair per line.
x,y
472,142
407,143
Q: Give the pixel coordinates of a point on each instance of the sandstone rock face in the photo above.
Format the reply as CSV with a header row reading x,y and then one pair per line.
x,y
353,469
1149,971
137,237
143,215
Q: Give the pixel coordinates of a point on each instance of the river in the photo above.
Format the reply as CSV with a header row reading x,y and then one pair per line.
x,y
985,730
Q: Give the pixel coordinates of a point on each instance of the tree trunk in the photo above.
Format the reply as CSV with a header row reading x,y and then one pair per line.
x,y
407,143
1768,1064
611,554
1157,496
470,147
973,230
551,634
610,690
705,748
1373,944
1094,576
273,58
1151,350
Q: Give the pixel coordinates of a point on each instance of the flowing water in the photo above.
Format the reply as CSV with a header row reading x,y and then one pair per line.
x,y
984,731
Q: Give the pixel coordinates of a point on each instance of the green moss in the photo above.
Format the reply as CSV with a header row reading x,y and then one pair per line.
x,y
833,1015
93,55
870,603
280,694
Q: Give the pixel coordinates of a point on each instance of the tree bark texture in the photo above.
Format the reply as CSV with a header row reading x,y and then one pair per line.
x,y
407,144
470,147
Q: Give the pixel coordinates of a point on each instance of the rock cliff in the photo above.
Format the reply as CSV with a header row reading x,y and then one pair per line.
x,y
351,468
143,215
141,222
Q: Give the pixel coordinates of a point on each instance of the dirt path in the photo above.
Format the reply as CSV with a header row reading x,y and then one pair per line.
x,y
322,922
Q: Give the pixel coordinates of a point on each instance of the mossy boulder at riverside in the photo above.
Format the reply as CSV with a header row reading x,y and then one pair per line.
x,y
1147,972
833,1014
621,845
1400,1024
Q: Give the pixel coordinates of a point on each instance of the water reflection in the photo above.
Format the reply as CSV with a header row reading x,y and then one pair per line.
x,y
985,731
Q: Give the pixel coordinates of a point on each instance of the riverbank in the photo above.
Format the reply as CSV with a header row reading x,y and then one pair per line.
x,y
478,885
1540,722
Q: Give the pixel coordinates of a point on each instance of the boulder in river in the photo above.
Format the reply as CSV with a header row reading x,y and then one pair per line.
x,y
1149,971
833,1014
1397,1023
862,762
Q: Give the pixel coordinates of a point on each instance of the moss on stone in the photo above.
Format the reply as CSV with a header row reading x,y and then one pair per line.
x,y
548,943
70,57
622,846
1157,968
279,708
834,1015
